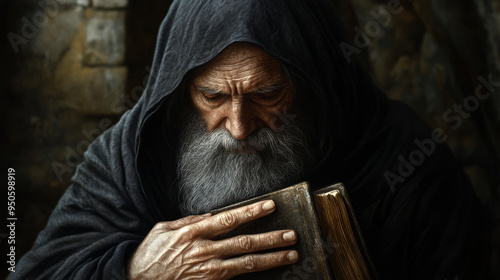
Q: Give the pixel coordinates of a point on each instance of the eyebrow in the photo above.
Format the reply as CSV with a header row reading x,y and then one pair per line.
x,y
263,90
269,89
209,90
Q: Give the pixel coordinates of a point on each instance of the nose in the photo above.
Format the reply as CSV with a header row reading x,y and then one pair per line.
x,y
240,120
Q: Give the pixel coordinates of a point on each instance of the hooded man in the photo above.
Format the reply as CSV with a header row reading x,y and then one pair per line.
x,y
248,97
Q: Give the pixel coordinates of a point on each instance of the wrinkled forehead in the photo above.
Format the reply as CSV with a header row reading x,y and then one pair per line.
x,y
240,62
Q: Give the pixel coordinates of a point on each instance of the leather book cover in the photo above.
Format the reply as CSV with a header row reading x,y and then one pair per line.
x,y
294,210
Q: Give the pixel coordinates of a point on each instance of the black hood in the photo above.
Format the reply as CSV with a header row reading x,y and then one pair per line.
x,y
303,35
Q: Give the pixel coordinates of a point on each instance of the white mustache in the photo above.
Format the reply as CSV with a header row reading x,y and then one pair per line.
x,y
258,140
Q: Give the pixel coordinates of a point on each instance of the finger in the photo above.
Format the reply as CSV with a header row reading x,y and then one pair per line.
x,y
229,220
189,220
244,244
258,262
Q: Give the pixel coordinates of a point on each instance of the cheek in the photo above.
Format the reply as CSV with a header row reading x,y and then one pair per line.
x,y
212,117
272,119
208,115
276,116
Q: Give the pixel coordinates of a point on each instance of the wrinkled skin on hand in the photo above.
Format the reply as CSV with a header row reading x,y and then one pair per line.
x,y
187,248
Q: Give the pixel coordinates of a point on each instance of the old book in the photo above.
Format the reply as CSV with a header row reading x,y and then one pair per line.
x,y
330,244
338,223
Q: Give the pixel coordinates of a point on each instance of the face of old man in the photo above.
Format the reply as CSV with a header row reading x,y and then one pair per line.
x,y
242,90
233,143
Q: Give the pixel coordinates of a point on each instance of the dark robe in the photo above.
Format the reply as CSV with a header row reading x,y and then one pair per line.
x,y
420,226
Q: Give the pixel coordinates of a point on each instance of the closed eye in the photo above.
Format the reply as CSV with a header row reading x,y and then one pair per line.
x,y
269,89
211,95
269,93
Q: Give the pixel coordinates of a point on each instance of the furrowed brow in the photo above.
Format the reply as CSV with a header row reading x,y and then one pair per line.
x,y
209,90
268,89
263,90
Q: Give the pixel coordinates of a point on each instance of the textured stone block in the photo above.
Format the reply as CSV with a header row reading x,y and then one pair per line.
x,y
56,36
105,38
107,4
84,3
95,91
59,4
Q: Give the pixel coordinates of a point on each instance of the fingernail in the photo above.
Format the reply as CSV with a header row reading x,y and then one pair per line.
x,y
268,205
206,215
292,256
289,236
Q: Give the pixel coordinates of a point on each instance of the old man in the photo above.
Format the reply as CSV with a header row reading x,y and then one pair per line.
x,y
248,97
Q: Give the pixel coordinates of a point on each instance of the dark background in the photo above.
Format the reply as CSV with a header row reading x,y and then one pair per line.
x,y
70,68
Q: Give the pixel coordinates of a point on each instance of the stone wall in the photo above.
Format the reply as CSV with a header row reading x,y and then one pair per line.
x,y
72,67
434,55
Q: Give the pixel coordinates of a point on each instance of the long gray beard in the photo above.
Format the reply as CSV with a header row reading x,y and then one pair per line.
x,y
213,175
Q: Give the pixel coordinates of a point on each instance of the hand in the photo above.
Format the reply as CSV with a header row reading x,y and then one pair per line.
x,y
186,249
